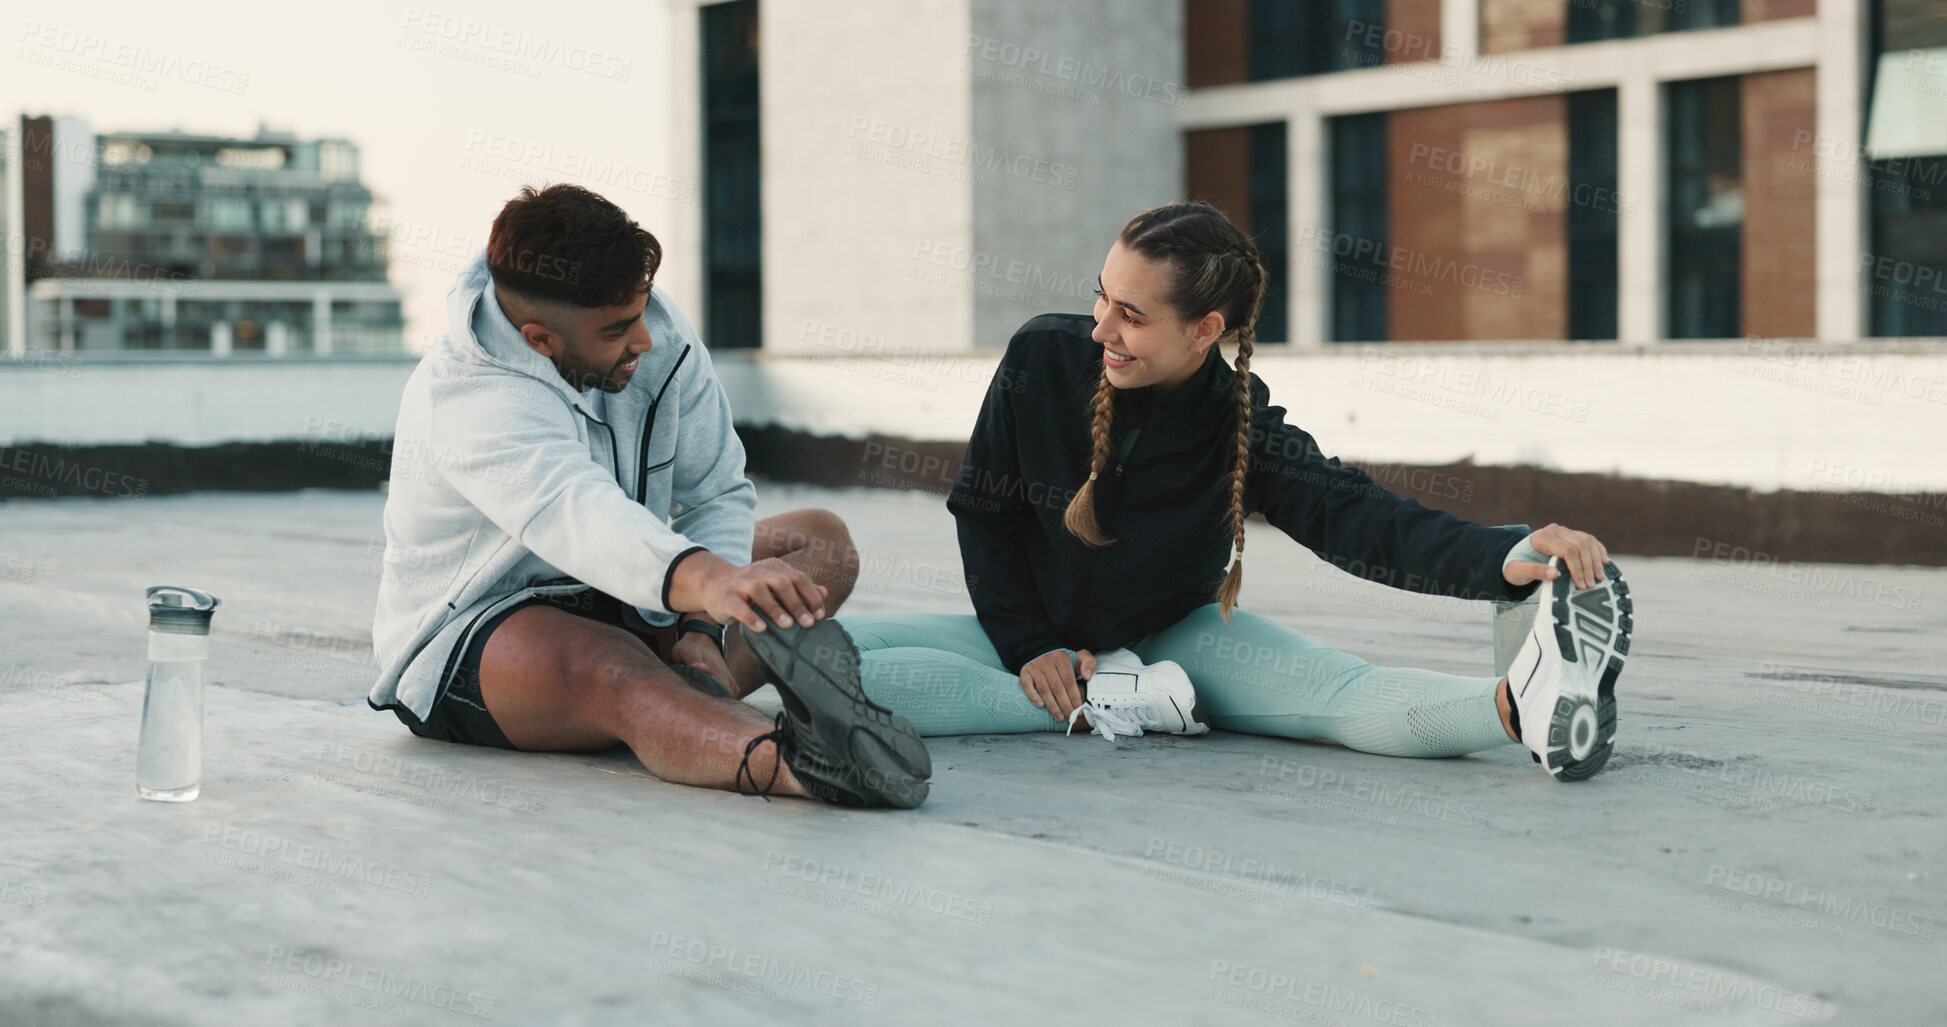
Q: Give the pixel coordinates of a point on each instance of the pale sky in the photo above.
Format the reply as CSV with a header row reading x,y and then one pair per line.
x,y
444,138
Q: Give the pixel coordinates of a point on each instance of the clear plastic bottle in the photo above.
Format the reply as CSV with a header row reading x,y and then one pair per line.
x,y
1512,622
169,757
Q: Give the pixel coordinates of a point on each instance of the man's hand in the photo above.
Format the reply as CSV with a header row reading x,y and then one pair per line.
x,y
696,649
726,592
1580,551
1049,680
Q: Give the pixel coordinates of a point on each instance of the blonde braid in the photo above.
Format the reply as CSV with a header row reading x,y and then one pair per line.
x,y
1246,342
1080,518
1234,579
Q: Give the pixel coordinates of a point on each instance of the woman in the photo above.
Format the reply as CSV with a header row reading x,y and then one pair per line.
x,y
1106,487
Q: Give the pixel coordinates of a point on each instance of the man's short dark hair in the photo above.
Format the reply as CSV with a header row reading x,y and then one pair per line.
x,y
569,245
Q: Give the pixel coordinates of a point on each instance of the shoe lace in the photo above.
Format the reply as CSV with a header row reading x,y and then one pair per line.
x,y
780,738
1115,715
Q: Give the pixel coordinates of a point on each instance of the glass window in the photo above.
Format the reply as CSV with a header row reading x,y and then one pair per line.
x,y
1906,271
732,198
1309,37
1593,208
1905,267
1593,20
229,212
1359,216
1270,183
119,210
347,213
1706,208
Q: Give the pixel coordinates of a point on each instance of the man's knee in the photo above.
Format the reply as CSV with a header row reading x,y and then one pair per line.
x,y
817,535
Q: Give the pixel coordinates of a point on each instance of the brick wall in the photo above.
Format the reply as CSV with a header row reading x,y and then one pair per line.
x,y
1778,269
1217,168
1477,213
1522,24
1768,10
1418,25
1216,42
37,192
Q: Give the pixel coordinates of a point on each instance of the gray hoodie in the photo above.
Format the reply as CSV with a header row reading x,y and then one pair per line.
x,y
508,483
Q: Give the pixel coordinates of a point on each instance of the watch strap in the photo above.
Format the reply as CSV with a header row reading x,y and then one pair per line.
x,y
715,631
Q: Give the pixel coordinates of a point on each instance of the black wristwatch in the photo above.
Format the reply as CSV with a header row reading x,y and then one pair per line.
x,y
715,631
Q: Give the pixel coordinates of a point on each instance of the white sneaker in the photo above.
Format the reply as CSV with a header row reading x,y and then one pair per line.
x,y
1127,696
1563,681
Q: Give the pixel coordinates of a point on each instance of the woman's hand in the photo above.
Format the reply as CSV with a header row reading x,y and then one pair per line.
x,y
1582,553
1049,680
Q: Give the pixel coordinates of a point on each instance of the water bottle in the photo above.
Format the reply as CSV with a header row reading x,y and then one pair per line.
x,y
169,757
1512,622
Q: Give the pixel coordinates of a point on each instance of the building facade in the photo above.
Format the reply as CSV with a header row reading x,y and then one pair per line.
x,y
887,176
890,176
169,242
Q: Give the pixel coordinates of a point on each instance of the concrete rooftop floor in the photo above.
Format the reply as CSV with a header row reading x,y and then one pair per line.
x,y
1766,847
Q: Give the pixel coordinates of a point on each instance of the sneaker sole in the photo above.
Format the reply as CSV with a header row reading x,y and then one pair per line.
x,y
816,670
1592,628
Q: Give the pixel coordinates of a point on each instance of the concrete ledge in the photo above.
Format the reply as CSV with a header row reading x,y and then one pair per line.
x,y
1657,518
1764,414
1654,518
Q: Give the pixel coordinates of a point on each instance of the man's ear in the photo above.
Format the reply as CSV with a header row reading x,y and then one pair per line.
x,y
521,312
1207,331
541,340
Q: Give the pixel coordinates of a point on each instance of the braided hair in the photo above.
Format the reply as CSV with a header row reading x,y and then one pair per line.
x,y
1213,267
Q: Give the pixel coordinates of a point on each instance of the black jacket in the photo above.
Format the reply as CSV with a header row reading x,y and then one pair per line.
x,y
1165,500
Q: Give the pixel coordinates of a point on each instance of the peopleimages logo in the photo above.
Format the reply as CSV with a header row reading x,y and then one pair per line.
x,y
1808,576
1832,904
952,150
1272,984
761,968
516,44
1258,872
316,857
881,887
38,468
132,57
371,982
1063,68
1705,984
1413,268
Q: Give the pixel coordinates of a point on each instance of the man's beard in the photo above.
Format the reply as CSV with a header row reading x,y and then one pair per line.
x,y
584,379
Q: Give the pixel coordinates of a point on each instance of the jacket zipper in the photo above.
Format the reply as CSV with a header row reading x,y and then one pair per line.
x,y
648,429
1122,458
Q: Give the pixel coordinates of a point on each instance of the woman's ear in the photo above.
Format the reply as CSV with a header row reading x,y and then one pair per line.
x,y
1207,331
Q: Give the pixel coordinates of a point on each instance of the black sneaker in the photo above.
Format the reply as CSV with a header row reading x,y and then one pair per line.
x,y
843,747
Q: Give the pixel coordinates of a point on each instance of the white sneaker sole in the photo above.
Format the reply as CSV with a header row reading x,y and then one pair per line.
x,y
1587,632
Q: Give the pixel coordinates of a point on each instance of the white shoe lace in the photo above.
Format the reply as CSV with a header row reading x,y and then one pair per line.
x,y
1114,715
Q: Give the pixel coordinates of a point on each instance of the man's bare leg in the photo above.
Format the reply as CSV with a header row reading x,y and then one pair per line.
x,y
557,682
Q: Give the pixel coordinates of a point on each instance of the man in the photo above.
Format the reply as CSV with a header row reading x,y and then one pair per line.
x,y
569,532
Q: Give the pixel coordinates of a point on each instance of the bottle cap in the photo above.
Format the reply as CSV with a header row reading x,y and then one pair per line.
x,y
181,611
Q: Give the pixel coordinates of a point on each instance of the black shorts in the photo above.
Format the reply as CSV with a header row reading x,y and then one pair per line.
x,y
460,714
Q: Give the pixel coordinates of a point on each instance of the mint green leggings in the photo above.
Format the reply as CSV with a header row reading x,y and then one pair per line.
x,y
1253,675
